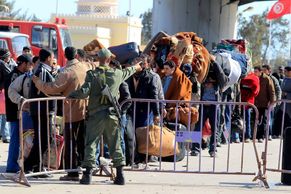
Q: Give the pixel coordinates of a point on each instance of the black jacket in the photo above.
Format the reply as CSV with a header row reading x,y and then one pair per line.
x,y
44,72
124,95
5,69
11,108
146,89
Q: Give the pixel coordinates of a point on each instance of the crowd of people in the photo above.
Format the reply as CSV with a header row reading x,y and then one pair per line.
x,y
89,111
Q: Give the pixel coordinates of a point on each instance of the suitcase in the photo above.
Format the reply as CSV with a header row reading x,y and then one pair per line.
x,y
125,52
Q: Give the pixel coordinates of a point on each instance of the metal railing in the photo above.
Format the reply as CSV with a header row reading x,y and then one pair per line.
x,y
192,136
49,167
183,138
279,108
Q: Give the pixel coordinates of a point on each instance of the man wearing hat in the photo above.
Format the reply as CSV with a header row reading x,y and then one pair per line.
x,y
5,69
24,65
102,118
6,65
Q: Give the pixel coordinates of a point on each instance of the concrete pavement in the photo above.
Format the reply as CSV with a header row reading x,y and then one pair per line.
x,y
156,182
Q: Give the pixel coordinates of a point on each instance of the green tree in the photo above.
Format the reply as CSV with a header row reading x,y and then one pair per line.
x,y
257,31
146,33
14,14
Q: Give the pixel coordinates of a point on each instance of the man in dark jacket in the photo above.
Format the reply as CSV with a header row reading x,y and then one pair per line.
x,y
143,85
265,97
6,65
278,93
44,72
127,131
5,69
24,65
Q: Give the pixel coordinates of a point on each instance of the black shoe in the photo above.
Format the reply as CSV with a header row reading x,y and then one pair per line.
x,y
6,140
119,180
44,176
194,153
87,177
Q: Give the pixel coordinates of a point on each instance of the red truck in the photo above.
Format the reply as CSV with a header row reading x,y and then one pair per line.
x,y
52,36
14,42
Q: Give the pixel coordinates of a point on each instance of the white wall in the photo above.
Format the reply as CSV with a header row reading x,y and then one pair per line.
x,y
212,20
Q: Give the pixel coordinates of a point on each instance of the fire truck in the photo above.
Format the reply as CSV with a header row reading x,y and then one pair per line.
x,y
14,42
52,36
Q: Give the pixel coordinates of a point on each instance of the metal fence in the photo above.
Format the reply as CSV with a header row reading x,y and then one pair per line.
x,y
279,121
55,142
232,163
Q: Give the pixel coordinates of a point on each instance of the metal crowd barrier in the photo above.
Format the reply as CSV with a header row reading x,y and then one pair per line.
x,y
190,136
206,165
21,177
275,107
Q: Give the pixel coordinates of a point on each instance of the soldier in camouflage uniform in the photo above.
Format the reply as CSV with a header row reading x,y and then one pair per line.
x,y
102,118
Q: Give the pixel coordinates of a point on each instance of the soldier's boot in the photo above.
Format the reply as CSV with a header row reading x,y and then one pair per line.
x,y
119,180
87,177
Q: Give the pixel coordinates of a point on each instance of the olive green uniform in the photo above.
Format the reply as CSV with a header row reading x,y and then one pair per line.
x,y
102,119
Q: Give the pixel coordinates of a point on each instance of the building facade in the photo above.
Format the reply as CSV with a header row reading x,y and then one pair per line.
x,y
99,19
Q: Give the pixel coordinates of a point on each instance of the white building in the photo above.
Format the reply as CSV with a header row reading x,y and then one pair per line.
x,y
99,19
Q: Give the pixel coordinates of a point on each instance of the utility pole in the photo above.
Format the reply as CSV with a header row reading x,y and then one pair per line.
x,y
57,7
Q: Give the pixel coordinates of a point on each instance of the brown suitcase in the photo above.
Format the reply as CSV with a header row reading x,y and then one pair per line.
x,y
154,139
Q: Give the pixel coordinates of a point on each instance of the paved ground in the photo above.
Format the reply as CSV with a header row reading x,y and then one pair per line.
x,y
149,182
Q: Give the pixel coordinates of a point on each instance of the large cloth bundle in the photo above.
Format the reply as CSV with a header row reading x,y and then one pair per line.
x,y
54,156
231,68
183,116
182,48
162,49
93,47
156,38
184,51
125,52
201,56
233,45
154,141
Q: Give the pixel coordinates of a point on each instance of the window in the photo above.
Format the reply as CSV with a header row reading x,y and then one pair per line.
x,y
84,9
65,37
101,9
5,28
40,37
18,43
44,38
3,44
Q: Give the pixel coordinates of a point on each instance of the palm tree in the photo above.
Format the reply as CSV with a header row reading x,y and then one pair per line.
x,y
8,12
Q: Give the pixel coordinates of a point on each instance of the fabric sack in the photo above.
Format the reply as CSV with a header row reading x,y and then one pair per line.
x,y
56,148
154,138
183,115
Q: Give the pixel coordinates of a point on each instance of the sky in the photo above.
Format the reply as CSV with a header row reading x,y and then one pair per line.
x,y
43,8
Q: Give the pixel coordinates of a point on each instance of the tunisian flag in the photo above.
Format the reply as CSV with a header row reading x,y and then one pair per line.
x,y
280,8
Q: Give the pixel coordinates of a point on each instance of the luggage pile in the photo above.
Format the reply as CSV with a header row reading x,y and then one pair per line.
x,y
183,48
232,57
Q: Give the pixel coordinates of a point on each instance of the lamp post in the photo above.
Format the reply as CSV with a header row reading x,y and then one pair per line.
x,y
57,7
238,14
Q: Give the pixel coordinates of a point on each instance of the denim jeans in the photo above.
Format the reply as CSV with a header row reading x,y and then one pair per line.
x,y
248,131
209,111
13,152
5,127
